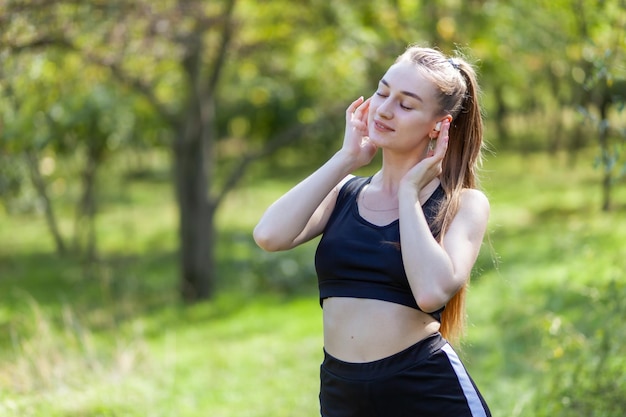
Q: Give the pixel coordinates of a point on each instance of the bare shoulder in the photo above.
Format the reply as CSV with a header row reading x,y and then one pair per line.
x,y
474,208
474,199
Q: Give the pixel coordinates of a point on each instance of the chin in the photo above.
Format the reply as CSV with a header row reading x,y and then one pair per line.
x,y
376,140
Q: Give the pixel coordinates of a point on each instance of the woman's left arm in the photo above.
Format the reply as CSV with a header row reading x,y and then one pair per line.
x,y
437,271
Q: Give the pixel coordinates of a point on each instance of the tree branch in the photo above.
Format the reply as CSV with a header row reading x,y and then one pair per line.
x,y
224,45
135,84
40,43
287,136
116,70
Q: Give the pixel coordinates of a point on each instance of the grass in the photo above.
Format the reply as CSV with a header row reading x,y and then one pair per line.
x,y
111,338
554,247
186,362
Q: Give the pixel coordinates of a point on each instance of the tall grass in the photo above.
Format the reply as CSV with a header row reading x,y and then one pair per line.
x,y
112,339
560,260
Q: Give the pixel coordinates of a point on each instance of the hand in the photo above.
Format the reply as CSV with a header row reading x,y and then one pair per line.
x,y
431,166
356,143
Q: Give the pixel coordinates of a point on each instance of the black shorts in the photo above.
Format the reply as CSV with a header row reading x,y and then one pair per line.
x,y
427,379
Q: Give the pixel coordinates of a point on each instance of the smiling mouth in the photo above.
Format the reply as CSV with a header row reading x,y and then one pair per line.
x,y
382,126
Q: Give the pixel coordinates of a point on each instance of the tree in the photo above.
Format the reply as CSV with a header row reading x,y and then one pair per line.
x,y
54,107
132,40
602,82
175,56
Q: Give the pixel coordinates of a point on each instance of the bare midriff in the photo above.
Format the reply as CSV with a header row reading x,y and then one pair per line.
x,y
364,330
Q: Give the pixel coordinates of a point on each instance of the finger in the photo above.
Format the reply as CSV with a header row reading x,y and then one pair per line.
x,y
366,111
366,103
362,109
445,128
352,107
445,131
441,147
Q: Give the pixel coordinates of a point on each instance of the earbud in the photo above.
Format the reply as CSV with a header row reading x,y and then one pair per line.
x,y
438,126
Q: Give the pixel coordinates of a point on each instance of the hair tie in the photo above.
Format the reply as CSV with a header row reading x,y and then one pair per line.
x,y
454,64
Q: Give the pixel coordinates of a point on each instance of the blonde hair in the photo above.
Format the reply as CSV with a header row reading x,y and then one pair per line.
x,y
456,82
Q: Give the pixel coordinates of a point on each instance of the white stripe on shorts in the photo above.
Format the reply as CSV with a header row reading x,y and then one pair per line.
x,y
475,405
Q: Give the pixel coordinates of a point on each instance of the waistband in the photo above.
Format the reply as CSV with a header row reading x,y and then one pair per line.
x,y
390,365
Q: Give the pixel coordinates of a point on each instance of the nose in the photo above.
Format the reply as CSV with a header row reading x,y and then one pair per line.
x,y
384,110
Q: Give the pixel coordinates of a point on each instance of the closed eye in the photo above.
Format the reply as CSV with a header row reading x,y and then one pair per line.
x,y
383,95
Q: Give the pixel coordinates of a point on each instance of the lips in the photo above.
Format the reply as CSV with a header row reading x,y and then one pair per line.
x,y
382,127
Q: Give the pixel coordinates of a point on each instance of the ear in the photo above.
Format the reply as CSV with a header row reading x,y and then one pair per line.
x,y
438,125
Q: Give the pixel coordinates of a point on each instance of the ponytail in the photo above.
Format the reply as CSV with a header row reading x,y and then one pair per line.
x,y
459,167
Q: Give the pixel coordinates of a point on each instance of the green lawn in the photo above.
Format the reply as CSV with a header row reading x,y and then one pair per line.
x,y
112,339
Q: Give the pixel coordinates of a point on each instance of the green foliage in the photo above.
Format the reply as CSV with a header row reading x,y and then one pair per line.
x,y
586,370
12,175
53,108
536,315
296,63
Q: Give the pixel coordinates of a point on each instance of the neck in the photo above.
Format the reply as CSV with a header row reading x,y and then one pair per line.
x,y
393,169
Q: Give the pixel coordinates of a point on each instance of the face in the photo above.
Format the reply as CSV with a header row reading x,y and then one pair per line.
x,y
403,109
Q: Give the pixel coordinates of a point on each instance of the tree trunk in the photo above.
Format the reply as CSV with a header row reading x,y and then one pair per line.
x,y
501,115
193,163
85,228
40,186
196,230
606,157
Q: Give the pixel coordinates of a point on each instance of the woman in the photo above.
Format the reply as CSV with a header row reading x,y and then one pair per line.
x,y
398,247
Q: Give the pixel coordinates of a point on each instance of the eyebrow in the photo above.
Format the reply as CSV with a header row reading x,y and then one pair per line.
x,y
406,93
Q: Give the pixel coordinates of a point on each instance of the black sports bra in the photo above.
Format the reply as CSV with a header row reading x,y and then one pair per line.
x,y
356,258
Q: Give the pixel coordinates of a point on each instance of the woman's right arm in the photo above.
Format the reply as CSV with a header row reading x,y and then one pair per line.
x,y
301,214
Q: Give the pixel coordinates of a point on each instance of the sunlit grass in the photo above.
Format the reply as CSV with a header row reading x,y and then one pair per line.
x,y
553,246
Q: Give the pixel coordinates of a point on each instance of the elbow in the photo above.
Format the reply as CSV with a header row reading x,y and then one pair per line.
x,y
431,301
264,239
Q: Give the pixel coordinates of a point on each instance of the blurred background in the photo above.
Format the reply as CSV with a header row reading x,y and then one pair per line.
x,y
140,141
